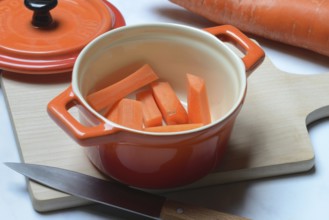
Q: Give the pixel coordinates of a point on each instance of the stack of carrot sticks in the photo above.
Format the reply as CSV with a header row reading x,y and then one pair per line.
x,y
156,107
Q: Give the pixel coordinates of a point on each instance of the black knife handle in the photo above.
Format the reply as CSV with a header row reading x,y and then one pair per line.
x,y
41,11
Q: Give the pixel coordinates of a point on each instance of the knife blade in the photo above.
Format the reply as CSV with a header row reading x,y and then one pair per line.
x,y
114,194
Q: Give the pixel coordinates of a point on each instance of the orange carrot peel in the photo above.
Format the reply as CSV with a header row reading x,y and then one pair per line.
x,y
301,23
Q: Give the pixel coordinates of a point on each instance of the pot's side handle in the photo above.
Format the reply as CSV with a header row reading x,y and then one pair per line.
x,y
58,110
253,54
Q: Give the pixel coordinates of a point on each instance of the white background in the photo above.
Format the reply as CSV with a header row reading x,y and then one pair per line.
x,y
298,196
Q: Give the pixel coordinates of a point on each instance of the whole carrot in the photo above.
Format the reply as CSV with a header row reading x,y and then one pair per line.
x,y
301,23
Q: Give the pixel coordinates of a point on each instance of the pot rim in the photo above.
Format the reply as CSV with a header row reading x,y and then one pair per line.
x,y
229,52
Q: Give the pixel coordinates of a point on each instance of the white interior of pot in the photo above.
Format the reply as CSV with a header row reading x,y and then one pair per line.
x,y
172,51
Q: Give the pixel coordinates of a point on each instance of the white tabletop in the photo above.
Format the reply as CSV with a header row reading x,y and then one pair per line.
x,y
299,196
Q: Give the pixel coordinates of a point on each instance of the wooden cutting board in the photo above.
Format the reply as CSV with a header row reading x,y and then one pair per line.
x,y
270,136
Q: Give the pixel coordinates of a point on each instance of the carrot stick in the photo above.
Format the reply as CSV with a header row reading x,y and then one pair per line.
x,y
170,106
107,97
197,100
113,114
173,128
128,113
301,23
151,113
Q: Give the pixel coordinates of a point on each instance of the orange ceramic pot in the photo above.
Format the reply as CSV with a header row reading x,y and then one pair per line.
x,y
149,159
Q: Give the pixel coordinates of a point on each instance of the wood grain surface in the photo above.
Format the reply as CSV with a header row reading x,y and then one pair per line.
x,y
270,137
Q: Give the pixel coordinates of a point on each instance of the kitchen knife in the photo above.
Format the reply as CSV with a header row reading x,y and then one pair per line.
x,y
115,195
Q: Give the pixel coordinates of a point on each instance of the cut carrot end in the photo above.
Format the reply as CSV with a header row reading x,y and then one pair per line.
x,y
151,113
170,106
197,100
107,97
128,113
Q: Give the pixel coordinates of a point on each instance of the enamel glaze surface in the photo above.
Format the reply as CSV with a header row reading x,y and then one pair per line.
x,y
149,159
28,49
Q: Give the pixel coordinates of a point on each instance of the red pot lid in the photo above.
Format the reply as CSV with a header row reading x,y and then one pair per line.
x,y
53,48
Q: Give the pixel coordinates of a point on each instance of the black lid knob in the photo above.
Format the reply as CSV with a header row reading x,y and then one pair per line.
x,y
41,15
